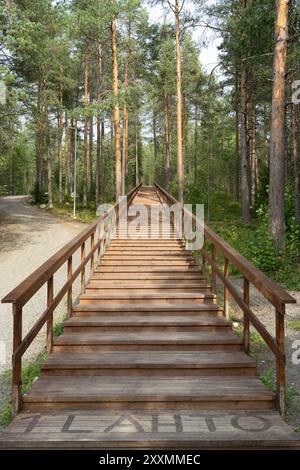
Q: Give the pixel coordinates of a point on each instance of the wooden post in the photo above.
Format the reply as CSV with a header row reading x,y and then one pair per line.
x,y
246,331
93,255
83,269
17,365
50,320
280,363
226,292
69,298
213,271
203,257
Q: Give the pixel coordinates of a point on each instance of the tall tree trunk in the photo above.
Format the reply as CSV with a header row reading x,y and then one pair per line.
x,y
196,145
85,132
137,167
39,142
167,142
67,162
91,163
179,104
49,168
244,147
237,140
115,77
254,158
186,135
296,160
278,144
125,113
59,156
154,144
98,126
266,139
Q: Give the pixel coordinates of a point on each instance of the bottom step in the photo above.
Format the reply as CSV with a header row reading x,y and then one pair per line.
x,y
177,429
159,392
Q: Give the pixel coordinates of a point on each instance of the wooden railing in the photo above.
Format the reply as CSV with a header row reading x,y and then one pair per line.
x,y
45,275
270,289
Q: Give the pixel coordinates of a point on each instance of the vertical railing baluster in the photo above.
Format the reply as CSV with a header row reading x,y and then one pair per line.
x,y
93,255
83,269
203,257
246,330
50,319
213,270
280,361
70,289
17,364
226,291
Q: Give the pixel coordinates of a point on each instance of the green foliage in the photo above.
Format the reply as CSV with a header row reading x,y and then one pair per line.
x,y
294,324
58,329
267,379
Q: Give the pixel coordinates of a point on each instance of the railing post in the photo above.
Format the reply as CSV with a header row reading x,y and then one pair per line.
x,y
69,298
50,320
246,331
17,364
280,361
93,255
213,270
226,291
83,269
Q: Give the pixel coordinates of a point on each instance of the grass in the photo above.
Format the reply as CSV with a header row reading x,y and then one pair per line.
x,y
82,215
30,372
255,338
294,324
58,329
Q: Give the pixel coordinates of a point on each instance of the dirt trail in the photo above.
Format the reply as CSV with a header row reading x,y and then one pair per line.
x,y
28,236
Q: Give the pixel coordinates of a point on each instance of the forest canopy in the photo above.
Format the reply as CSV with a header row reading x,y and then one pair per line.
x,y
97,91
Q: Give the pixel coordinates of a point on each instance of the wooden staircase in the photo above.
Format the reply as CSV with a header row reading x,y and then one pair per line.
x,y
147,359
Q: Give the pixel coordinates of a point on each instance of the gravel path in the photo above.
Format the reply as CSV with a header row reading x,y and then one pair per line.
x,y
28,236
265,359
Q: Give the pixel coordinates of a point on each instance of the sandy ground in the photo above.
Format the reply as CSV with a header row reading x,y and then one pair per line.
x,y
28,237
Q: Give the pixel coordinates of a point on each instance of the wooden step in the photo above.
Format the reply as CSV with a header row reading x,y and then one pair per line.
x,y
146,268
110,322
145,429
176,255
145,392
150,276
161,340
147,263
95,287
133,285
150,362
145,308
144,296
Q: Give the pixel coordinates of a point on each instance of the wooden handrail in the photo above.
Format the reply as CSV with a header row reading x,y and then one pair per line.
x,y
26,289
270,289
44,275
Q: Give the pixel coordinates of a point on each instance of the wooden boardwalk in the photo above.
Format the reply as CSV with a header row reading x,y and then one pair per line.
x,y
147,359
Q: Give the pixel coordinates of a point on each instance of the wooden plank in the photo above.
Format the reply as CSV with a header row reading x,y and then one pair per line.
x,y
177,429
140,389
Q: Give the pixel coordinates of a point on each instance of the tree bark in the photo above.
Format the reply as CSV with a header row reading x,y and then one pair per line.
x,y
179,104
167,142
245,189
237,140
196,145
115,78
278,144
296,162
125,113
85,132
